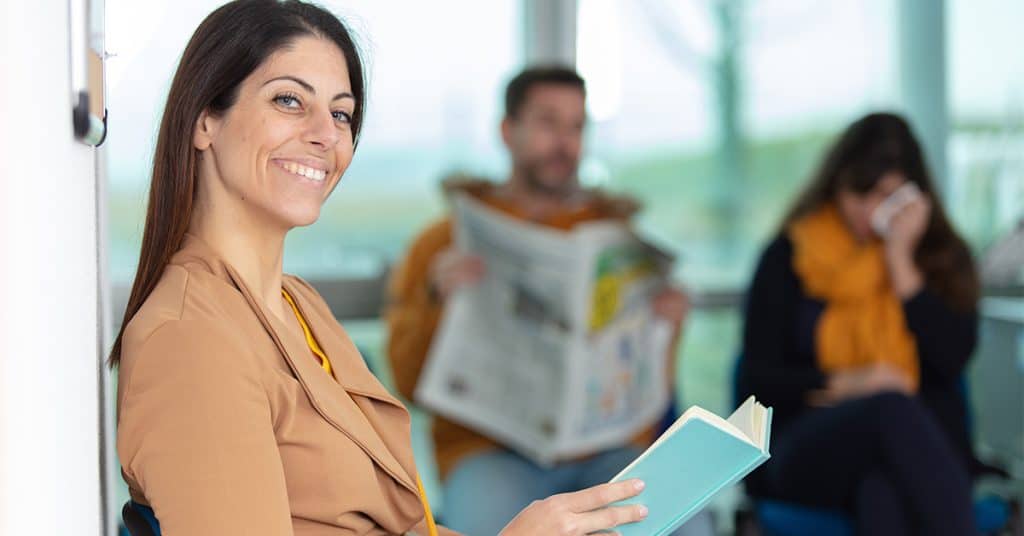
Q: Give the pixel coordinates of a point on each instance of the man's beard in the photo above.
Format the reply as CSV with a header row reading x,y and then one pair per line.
x,y
559,188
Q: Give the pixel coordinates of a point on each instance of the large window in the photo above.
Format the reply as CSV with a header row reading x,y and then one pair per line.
x,y
986,93
714,113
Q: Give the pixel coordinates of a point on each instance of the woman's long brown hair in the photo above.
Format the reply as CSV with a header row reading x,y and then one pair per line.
x,y
228,46
871,147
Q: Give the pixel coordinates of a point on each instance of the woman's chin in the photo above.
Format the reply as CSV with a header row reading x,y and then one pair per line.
x,y
303,218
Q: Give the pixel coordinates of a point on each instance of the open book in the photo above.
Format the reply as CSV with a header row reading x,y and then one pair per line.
x,y
698,456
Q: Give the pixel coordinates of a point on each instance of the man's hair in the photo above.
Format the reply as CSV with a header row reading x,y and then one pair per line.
x,y
519,87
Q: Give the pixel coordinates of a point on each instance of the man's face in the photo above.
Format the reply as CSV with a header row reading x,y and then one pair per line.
x,y
545,139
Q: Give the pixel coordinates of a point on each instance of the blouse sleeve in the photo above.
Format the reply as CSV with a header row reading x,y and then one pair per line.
x,y
195,432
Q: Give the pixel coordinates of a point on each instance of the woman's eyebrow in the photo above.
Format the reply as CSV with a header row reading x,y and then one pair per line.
x,y
309,87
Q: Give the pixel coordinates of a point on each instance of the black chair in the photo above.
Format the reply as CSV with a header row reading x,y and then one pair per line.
x,y
139,519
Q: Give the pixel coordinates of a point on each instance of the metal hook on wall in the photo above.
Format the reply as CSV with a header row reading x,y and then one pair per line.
x,y
88,88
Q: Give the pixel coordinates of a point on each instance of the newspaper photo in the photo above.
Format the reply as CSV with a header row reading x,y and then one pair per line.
x,y
556,352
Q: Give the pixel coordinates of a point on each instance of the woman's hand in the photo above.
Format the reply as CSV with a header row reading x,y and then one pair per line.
x,y
905,232
579,513
862,382
908,226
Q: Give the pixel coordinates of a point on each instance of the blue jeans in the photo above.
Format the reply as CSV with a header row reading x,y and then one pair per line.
x,y
485,491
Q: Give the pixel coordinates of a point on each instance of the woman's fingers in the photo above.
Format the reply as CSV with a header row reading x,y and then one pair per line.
x,y
579,513
602,495
610,517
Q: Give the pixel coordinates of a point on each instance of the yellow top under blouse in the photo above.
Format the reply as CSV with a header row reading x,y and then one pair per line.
x,y
326,364
310,340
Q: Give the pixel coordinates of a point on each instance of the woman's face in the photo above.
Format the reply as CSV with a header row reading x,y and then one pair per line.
x,y
856,208
280,150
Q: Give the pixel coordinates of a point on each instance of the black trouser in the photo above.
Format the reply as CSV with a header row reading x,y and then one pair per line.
x,y
883,459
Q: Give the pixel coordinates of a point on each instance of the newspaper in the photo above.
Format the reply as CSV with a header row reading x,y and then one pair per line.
x,y
556,353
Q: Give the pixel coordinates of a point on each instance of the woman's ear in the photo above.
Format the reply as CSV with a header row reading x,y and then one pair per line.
x,y
205,131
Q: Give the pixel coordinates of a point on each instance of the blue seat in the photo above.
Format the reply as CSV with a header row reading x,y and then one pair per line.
x,y
778,518
991,514
139,519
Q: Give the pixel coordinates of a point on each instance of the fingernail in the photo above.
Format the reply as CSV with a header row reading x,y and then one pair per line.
x,y
639,484
643,511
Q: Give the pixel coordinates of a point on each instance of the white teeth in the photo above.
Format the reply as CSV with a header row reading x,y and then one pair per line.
x,y
308,172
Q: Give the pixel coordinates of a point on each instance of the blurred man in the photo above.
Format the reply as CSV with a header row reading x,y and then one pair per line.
x,y
485,483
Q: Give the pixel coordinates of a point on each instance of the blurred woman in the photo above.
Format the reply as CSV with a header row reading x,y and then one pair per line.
x,y
243,407
857,332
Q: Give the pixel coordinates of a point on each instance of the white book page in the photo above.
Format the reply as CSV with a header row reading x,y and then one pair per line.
x,y
748,418
697,412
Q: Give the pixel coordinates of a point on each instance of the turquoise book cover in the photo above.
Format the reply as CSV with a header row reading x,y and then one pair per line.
x,y
698,456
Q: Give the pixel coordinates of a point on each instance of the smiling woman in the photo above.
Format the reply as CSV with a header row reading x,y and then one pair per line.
x,y
243,406
283,146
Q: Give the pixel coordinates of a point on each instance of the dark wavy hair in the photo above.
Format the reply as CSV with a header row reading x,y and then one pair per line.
x,y
869,148
227,47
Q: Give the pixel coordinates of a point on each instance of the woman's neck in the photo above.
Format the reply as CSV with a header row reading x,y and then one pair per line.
x,y
253,248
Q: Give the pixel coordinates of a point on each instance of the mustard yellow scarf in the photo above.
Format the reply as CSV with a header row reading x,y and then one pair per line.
x,y
863,322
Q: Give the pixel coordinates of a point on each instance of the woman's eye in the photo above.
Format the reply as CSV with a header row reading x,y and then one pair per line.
x,y
288,101
344,117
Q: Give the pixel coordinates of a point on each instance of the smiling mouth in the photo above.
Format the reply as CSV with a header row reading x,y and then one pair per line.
x,y
295,168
